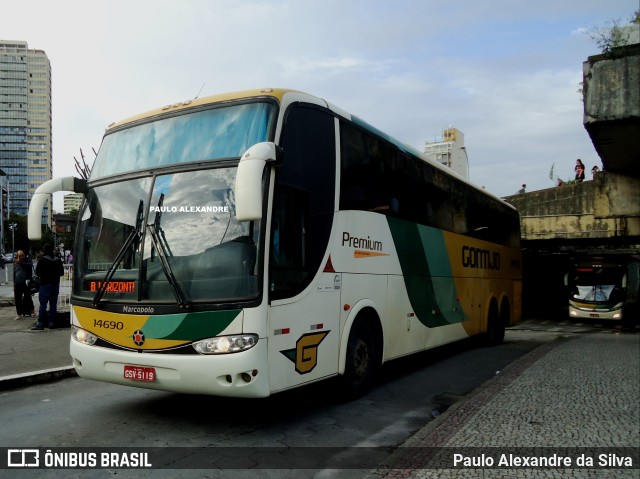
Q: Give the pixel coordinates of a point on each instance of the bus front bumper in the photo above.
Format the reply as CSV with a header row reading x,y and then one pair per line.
x,y
242,374
580,313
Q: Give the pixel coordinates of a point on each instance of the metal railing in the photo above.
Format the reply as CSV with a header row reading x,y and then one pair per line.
x,y
64,296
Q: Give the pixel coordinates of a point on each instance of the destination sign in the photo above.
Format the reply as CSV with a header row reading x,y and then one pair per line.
x,y
112,286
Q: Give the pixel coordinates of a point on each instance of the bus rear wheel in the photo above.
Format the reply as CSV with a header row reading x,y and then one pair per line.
x,y
360,365
496,327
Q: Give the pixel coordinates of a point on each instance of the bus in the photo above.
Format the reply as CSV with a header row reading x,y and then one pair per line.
x,y
249,243
603,287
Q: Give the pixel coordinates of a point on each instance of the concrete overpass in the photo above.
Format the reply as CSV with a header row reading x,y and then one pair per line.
x,y
597,217
611,93
601,215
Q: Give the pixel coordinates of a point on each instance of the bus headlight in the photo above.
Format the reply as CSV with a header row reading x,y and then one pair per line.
x,y
83,336
226,344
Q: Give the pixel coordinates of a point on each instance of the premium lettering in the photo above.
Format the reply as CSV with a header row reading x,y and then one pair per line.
x,y
364,243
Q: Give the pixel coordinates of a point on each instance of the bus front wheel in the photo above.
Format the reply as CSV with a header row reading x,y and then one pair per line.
x,y
360,365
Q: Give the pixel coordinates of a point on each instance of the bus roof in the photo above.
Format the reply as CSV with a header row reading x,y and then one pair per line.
x,y
278,94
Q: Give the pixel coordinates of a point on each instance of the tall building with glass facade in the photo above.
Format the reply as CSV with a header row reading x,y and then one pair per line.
x,y
25,123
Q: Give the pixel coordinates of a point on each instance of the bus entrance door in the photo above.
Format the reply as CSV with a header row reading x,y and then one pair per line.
x,y
304,334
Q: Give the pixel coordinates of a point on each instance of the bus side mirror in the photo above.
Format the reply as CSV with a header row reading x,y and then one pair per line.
x,y
42,194
624,281
566,279
248,185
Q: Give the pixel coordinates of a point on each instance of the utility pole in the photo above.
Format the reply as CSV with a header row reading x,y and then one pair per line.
x,y
13,227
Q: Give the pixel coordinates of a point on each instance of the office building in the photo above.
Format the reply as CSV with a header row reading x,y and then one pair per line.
x,y
72,202
450,151
25,123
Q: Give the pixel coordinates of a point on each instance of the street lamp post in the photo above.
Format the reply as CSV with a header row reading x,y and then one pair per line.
x,y
13,227
464,150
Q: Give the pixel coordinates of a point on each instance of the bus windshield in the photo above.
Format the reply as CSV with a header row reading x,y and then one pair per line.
x,y
216,133
598,284
166,238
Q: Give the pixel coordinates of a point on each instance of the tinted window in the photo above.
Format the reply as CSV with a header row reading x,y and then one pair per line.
x,y
378,176
304,199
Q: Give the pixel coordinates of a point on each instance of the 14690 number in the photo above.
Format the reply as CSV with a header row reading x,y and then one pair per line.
x,y
99,323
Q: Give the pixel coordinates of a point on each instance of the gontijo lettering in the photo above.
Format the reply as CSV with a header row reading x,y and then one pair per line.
x,y
355,242
480,258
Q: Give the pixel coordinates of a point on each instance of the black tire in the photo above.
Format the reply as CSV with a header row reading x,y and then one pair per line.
x,y
495,327
361,362
630,316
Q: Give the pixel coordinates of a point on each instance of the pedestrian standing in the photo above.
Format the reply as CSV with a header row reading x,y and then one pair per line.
x,y
22,273
49,269
579,170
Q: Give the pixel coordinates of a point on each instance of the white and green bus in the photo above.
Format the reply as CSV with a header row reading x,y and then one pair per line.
x,y
249,243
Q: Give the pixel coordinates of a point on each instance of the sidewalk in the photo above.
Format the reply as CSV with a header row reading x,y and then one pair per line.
x,y
572,396
29,356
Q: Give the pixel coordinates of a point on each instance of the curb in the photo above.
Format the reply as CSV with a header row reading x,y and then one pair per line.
x,y
36,377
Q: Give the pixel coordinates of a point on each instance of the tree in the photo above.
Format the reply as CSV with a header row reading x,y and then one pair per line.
x,y
611,37
18,238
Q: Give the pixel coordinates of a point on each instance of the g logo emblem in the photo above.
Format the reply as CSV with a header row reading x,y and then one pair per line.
x,y
305,355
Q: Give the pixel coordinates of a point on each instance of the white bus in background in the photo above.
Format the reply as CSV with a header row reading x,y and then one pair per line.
x,y
604,287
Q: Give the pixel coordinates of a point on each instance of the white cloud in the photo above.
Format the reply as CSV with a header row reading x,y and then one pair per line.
x,y
329,66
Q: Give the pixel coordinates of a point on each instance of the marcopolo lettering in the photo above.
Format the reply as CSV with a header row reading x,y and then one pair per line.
x,y
364,243
480,258
138,309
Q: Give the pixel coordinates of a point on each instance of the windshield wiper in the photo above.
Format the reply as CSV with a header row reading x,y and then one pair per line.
x,y
161,245
133,236
166,267
156,223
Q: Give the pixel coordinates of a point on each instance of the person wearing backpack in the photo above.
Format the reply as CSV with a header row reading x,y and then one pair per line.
x,y
22,274
49,269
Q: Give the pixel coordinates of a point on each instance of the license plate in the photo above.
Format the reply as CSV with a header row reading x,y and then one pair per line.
x,y
594,315
139,373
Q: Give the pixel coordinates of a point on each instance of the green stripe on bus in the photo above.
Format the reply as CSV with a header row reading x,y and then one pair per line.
x,y
189,326
427,273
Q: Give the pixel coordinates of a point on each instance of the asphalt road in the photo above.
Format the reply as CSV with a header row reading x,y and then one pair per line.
x,y
79,413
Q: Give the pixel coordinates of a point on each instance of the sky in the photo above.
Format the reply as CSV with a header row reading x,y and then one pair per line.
x,y
506,73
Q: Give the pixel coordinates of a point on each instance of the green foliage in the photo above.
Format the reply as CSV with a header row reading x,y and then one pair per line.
x,y
611,37
18,238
